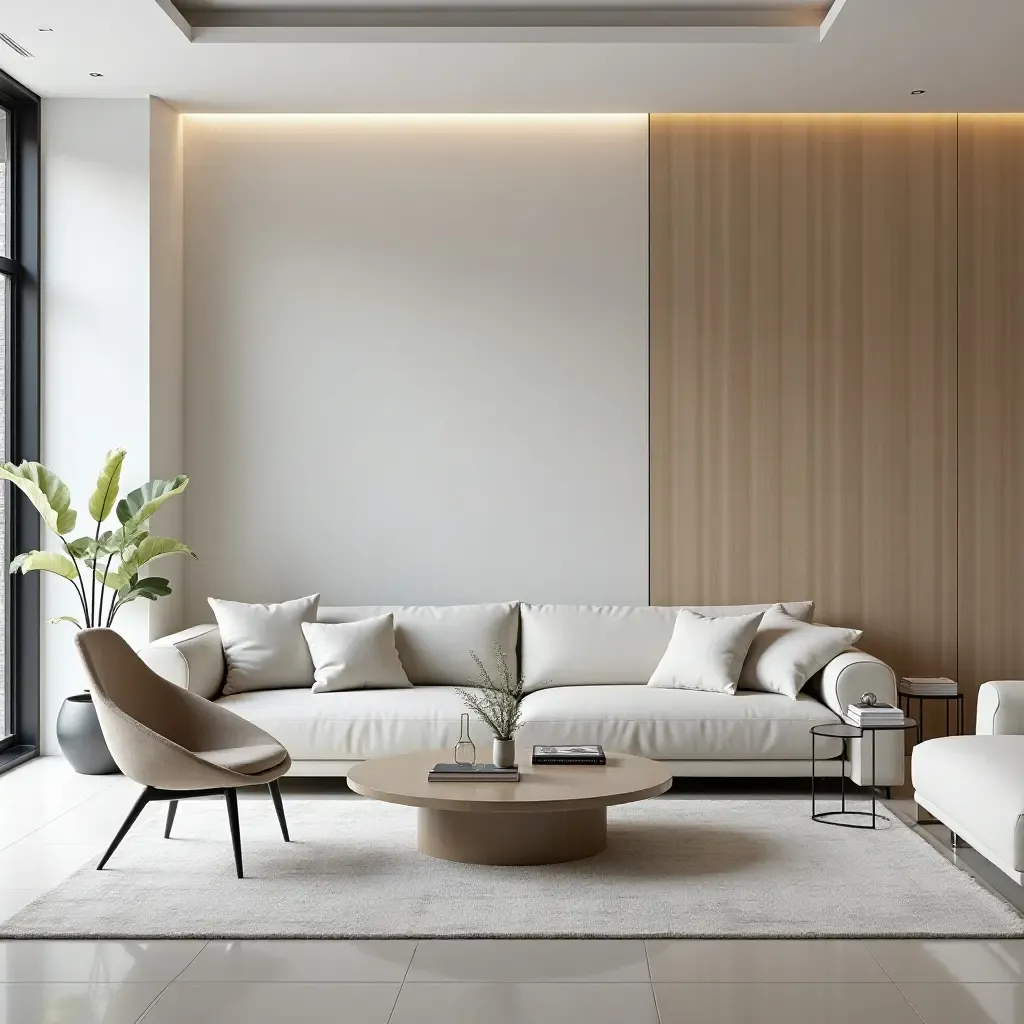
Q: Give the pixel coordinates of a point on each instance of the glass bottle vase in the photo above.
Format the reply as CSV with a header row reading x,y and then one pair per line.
x,y
465,749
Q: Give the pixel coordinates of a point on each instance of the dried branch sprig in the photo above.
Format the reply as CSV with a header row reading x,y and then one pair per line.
x,y
495,700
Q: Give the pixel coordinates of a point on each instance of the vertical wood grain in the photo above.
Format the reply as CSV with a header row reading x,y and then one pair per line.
x,y
991,400
803,371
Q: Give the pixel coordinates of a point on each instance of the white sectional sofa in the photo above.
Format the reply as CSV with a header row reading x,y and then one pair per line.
x,y
585,669
975,784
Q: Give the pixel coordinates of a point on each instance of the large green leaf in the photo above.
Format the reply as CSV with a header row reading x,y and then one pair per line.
x,y
64,618
46,491
101,504
149,548
151,588
112,578
115,542
135,508
45,561
83,547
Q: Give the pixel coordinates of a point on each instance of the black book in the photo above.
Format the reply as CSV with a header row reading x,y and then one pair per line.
x,y
591,753
472,773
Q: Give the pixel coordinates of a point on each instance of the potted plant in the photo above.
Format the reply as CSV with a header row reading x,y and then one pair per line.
x,y
112,561
497,702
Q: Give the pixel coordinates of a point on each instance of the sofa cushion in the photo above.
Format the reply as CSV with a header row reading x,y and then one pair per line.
x,y
584,645
250,760
975,784
705,653
355,724
677,725
263,643
354,655
434,641
786,652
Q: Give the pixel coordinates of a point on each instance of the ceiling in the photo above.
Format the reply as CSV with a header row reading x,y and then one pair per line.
x,y
292,57
502,21
282,5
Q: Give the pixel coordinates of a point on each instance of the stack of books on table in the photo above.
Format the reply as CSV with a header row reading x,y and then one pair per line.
x,y
918,687
472,773
874,714
591,753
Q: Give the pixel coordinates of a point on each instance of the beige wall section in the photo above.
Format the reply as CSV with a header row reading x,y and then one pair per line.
x,y
991,407
803,371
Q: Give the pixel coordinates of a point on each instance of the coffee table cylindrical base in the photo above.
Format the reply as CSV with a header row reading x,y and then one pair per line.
x,y
544,837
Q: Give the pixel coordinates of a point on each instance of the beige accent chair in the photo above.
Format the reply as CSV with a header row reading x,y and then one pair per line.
x,y
175,743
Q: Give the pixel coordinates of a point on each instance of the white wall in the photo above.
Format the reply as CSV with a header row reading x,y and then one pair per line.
x,y
98,310
166,348
416,359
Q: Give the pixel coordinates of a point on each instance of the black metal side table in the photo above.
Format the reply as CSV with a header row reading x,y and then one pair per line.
x,y
954,702
846,732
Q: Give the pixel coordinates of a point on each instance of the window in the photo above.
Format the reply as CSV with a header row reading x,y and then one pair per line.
x,y
19,414
6,717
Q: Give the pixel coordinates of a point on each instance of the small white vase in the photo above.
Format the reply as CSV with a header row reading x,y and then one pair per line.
x,y
504,753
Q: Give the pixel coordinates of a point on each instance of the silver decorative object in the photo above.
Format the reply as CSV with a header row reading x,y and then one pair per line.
x,y
868,700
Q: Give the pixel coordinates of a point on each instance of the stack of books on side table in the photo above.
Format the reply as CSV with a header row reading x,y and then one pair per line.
x,y
918,687
592,753
874,714
472,773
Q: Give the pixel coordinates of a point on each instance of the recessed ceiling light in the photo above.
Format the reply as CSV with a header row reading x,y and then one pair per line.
x,y
44,30
95,74
917,92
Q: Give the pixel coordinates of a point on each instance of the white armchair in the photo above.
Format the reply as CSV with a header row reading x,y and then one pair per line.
x,y
975,784
1001,708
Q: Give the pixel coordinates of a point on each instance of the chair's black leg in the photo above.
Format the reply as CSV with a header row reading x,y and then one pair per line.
x,y
123,830
231,797
172,810
275,795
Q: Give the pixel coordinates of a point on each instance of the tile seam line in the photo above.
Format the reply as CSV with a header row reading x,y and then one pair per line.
x,y
408,968
156,999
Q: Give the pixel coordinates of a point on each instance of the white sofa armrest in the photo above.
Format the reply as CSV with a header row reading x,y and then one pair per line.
x,y
1001,708
843,680
192,658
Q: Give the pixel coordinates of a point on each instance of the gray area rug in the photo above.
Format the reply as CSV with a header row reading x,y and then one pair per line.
x,y
673,868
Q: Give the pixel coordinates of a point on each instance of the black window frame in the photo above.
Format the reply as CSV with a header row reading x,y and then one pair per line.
x,y
21,267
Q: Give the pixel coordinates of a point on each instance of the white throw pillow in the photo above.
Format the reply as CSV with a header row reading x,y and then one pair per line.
x,y
786,652
434,641
706,653
263,643
354,655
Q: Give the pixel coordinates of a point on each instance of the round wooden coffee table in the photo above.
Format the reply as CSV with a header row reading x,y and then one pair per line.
x,y
554,813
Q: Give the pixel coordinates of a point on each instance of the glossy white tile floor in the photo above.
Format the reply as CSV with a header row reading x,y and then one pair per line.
x,y
52,821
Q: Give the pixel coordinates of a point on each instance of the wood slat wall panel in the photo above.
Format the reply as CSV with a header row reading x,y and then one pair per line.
x,y
803,371
991,400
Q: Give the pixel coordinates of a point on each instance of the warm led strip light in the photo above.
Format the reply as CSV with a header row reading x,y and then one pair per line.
x,y
429,118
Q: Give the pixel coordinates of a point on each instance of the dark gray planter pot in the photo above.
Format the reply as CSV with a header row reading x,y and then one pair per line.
x,y
80,738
